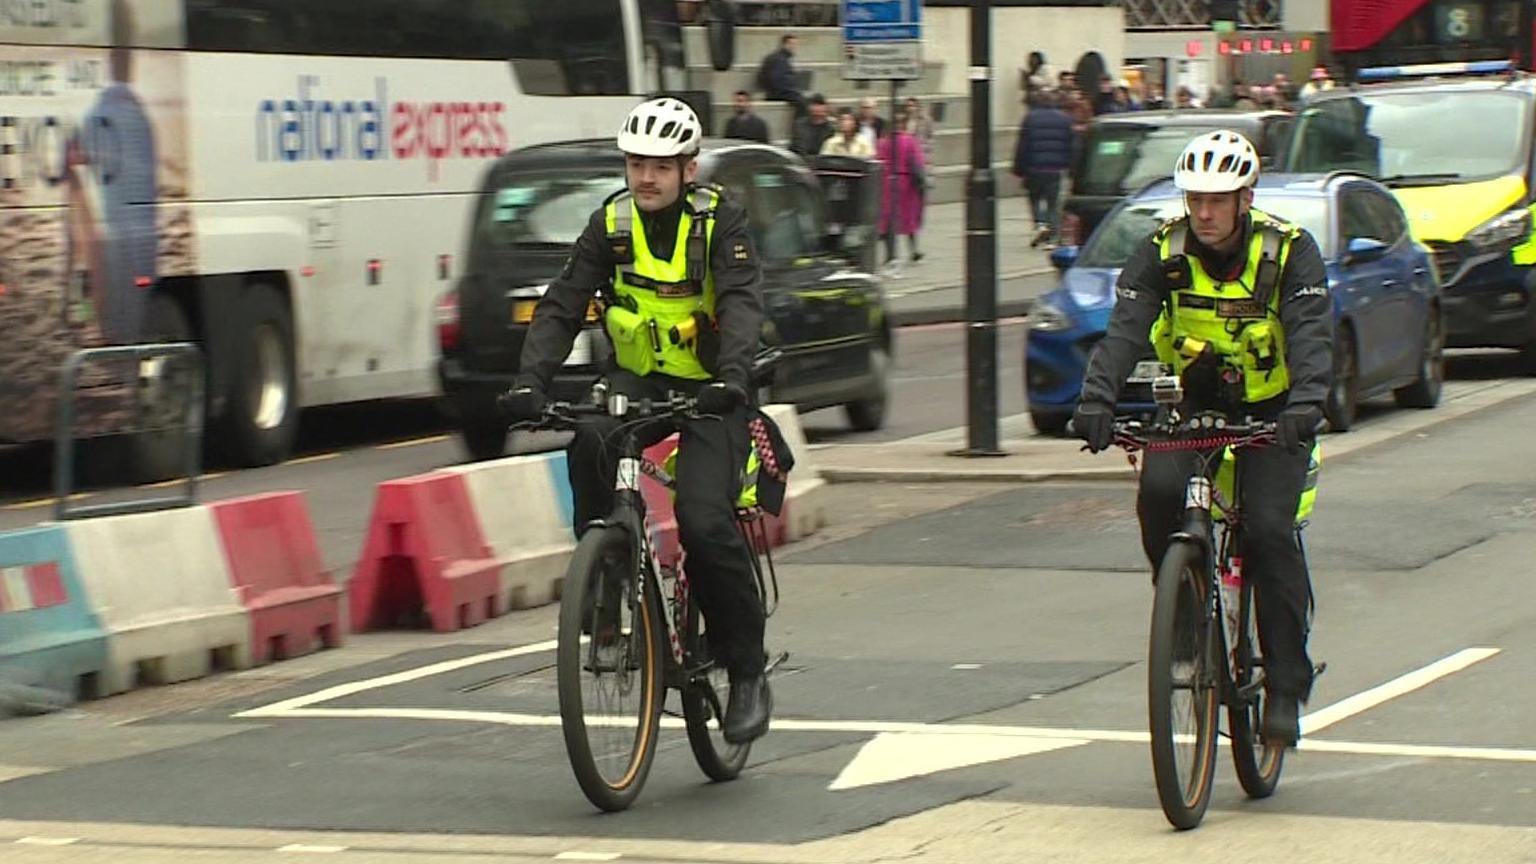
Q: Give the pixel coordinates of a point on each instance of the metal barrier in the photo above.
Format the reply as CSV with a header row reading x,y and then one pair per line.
x,y
157,356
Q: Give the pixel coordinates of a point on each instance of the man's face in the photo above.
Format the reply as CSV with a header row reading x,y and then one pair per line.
x,y
867,111
818,112
791,44
656,182
743,103
1214,215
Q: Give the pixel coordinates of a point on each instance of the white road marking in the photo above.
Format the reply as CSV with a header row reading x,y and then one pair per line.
x,y
892,756
340,691
305,847
588,856
1321,719
298,709
966,667
48,841
306,460
430,439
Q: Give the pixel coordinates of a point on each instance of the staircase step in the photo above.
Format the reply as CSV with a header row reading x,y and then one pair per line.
x,y
824,78
817,44
780,115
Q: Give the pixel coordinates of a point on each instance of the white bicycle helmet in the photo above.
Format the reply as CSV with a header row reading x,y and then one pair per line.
x,y
1223,161
661,127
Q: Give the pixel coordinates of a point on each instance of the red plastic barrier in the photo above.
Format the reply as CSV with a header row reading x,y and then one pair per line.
x,y
425,549
276,569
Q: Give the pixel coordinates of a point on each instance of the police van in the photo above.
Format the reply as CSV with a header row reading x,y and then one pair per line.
x,y
1454,142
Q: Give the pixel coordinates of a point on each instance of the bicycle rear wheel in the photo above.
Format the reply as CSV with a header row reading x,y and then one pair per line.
x,y
609,663
1181,687
1258,761
704,712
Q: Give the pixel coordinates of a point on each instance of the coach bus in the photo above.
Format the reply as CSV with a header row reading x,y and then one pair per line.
x,y
285,182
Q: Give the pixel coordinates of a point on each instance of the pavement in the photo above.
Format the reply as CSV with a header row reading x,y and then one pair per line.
x,y
1024,456
933,290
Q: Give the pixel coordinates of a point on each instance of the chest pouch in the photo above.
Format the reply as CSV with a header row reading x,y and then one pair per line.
x,y
632,336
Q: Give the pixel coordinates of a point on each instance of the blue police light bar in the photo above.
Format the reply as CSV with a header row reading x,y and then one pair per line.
x,y
1476,67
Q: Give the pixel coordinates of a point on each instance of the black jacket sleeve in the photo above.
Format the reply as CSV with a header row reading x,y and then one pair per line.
x,y
1306,316
561,312
1139,297
738,294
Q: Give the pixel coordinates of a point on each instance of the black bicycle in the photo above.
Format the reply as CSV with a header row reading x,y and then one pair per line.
x,y
629,630
1204,645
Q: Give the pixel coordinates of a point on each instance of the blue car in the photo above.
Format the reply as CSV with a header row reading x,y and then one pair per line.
x,y
1388,334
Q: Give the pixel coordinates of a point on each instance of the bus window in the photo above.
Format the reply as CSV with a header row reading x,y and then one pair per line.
x,y
570,47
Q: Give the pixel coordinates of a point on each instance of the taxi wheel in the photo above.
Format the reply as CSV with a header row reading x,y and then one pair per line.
x,y
868,414
484,438
1342,399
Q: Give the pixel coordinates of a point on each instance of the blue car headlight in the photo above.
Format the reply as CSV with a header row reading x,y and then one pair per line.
x,y
1507,229
1047,317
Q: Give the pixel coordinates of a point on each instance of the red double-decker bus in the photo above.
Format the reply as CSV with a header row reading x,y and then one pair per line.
x,y
1376,33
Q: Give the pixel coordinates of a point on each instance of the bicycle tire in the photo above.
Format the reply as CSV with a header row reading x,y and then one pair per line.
x,y
602,554
704,717
1181,581
1258,761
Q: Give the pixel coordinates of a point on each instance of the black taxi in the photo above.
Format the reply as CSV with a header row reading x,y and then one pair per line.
x,y
825,312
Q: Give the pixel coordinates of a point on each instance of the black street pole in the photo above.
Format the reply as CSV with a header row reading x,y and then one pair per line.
x,y
981,248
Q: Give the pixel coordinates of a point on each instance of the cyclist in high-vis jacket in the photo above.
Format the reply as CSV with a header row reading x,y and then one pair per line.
x,y
682,287
1237,302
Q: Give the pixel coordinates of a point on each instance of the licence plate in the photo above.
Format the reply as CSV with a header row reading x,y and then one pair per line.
x,y
1147,371
581,350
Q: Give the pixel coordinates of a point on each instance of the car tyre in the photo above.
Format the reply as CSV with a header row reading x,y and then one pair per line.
x,y
868,414
1054,425
1425,392
1343,397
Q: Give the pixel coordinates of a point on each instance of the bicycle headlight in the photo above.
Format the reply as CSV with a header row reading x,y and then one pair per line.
x,y
1047,317
1509,228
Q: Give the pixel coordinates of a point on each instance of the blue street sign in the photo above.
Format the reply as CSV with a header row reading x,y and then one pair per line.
x,y
882,20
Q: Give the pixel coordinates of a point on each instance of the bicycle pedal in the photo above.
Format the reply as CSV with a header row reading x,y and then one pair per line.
x,y
1319,669
774,663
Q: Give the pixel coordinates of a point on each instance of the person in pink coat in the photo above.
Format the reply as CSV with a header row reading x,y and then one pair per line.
x,y
901,199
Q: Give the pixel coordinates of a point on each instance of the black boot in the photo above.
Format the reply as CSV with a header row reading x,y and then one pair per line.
x,y
747,713
1282,719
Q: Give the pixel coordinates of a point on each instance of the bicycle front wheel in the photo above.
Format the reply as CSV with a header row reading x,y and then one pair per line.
x,y
1181,687
704,711
609,661
1258,761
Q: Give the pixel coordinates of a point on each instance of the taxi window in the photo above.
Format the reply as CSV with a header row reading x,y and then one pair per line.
x,y
1123,157
785,216
544,209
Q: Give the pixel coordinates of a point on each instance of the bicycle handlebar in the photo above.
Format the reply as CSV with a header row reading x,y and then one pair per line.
x,y
1201,432
564,415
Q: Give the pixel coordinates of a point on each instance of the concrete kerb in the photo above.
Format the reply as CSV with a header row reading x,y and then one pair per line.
x,y
955,469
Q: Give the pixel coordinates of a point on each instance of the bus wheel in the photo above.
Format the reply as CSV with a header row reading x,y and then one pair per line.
x,y
261,415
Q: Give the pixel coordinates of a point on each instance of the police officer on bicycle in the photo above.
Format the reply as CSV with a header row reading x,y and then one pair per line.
x,y
1237,302
682,288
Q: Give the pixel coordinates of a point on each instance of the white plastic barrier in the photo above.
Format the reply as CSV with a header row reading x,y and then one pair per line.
x,y
804,508
525,515
160,585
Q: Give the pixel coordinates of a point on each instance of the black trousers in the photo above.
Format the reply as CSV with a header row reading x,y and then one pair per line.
x,y
1271,480
710,458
